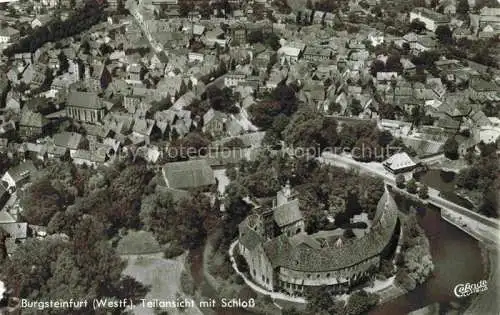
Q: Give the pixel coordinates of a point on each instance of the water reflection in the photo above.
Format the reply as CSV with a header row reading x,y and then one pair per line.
x,y
456,257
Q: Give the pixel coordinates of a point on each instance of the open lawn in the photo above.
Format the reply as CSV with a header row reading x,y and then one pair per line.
x,y
163,277
138,242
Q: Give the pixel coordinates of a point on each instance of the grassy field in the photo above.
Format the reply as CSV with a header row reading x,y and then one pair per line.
x,y
138,242
163,277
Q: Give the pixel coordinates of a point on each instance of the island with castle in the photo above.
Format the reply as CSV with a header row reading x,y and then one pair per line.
x,y
283,257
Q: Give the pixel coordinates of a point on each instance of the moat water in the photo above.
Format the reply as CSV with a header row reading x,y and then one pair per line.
x,y
443,181
456,257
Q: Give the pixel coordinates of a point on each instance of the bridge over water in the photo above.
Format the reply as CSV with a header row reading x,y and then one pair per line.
x,y
478,226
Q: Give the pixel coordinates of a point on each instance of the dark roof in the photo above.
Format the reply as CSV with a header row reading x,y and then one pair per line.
x,y
85,100
283,251
32,119
188,174
287,213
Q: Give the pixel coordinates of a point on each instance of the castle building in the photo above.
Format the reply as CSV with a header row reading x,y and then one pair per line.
x,y
281,256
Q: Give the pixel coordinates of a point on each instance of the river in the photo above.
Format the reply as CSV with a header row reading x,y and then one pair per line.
x,y
456,257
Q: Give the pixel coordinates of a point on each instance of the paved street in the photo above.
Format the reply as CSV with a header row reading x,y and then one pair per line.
x,y
487,227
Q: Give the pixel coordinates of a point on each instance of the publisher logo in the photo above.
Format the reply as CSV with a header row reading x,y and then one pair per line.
x,y
466,289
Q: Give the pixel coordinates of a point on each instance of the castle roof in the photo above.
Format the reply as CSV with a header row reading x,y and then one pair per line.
x,y
286,252
287,213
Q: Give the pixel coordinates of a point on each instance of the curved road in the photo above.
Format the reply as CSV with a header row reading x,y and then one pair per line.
x,y
373,168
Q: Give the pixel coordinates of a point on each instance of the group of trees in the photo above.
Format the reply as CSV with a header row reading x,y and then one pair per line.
x,y
282,100
412,186
392,64
88,208
310,131
482,179
415,262
64,193
184,223
319,187
57,29
450,148
322,302
269,39
222,99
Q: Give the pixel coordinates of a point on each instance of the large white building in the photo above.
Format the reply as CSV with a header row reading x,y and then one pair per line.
x,y
431,19
8,35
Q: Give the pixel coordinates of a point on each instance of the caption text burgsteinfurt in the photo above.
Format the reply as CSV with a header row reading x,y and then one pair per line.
x,y
129,303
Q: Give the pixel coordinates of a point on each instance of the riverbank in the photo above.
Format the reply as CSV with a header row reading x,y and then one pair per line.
x,y
487,302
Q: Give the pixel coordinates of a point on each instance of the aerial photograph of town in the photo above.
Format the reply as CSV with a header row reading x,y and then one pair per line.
x,y
253,157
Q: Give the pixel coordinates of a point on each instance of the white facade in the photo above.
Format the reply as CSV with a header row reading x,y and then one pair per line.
x,y
426,16
232,80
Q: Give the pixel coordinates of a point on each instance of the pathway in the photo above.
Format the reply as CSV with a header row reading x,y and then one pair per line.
x,y
489,225
273,295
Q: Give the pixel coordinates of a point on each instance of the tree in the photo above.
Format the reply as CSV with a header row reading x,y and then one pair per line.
x,y
393,63
423,192
400,181
377,66
310,130
360,302
63,63
356,107
194,219
417,26
156,212
41,201
444,35
463,7
411,186
451,148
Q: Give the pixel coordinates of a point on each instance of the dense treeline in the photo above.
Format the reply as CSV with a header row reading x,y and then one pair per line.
x,y
84,211
320,187
55,30
481,180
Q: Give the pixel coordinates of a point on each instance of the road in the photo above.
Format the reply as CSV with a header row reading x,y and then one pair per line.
x,y
488,225
134,10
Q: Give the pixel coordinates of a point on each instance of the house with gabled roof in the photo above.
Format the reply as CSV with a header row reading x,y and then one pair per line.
x,y
399,163
187,175
32,124
19,175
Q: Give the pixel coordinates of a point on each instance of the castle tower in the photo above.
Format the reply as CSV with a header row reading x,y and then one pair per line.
x,y
284,195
